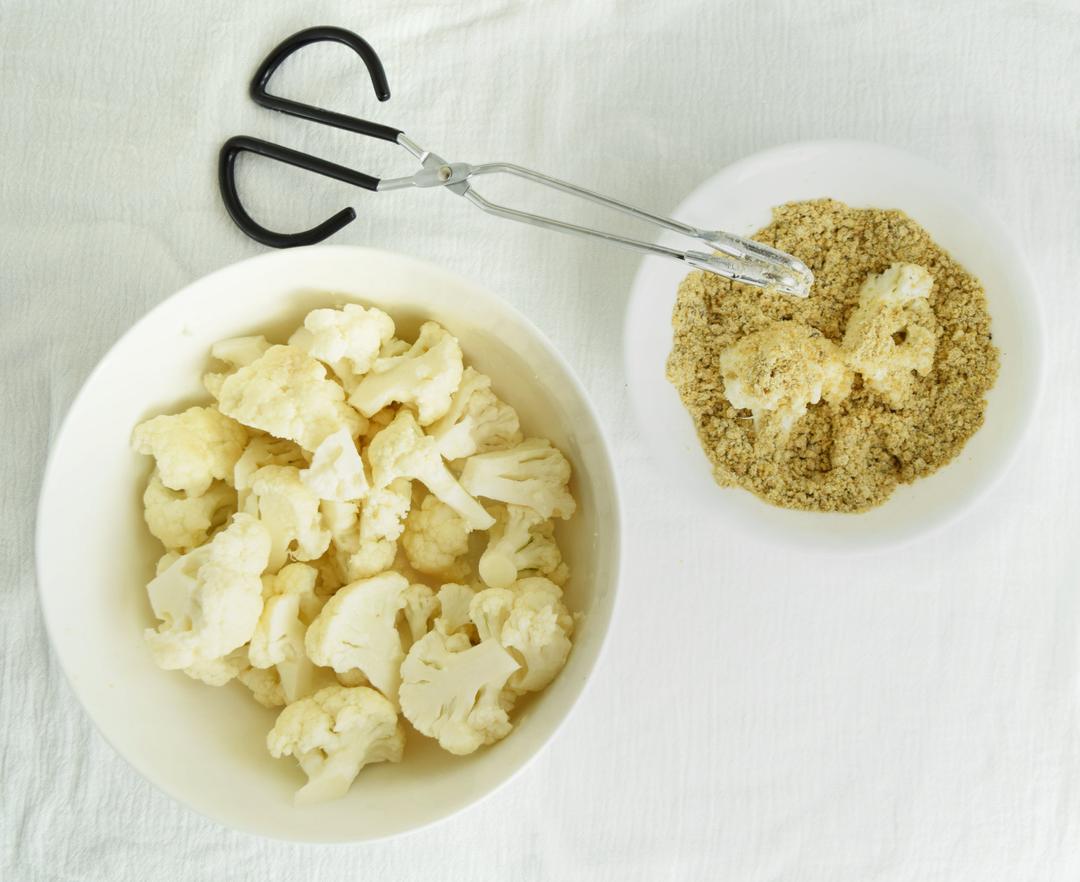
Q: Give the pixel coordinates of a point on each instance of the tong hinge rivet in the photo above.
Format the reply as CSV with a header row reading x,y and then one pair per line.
x,y
445,173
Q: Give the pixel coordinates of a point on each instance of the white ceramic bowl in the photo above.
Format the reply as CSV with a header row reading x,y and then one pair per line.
x,y
206,746
739,199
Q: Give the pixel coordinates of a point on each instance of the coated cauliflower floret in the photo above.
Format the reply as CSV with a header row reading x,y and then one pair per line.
x,y
210,599
336,471
357,629
181,521
453,691
425,377
776,372
347,339
521,540
477,421
291,513
192,449
435,539
402,450
420,606
286,392
454,601
533,474
893,333
333,735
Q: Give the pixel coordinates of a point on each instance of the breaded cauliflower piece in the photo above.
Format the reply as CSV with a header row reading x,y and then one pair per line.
x,y
892,334
333,735
209,600
477,421
424,377
286,392
183,522
435,539
777,371
192,449
454,692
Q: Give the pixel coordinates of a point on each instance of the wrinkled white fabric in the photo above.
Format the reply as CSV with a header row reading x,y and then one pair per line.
x,y
760,714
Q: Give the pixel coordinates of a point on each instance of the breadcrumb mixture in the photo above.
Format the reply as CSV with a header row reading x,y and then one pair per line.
x,y
847,454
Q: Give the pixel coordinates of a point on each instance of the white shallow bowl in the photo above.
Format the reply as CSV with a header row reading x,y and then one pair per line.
x,y
206,746
739,199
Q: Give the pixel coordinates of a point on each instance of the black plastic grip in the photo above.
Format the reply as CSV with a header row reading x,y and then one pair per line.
x,y
227,182
316,114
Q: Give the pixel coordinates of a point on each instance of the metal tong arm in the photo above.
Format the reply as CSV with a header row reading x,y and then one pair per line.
x,y
260,94
742,260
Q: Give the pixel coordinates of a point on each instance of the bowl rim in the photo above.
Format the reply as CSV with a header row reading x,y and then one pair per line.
x,y
615,526
1036,324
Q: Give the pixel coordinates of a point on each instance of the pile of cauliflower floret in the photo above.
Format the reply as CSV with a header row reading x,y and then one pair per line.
x,y
326,545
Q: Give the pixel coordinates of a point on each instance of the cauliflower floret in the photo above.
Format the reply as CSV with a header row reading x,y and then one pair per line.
x,y
520,540
477,421
290,512
278,642
776,372
348,338
357,629
435,538
298,579
181,521
367,544
383,512
219,671
287,393
454,601
192,449
402,450
263,450
336,471
265,685
420,606
210,599
333,735
489,610
425,377
236,352
537,633
379,421
533,474
352,678
893,331
453,692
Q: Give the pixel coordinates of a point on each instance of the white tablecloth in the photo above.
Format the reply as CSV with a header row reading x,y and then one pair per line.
x,y
759,715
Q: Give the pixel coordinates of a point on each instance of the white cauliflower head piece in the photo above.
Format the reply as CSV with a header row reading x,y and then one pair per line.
x,y
358,629
454,600
350,337
192,449
533,474
263,450
892,334
453,691
537,633
424,377
209,600
333,734
420,606
286,392
278,642
435,539
477,421
219,671
402,450
336,471
182,521
521,540
290,512
777,371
